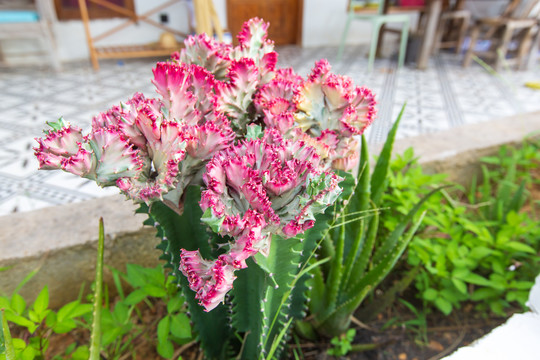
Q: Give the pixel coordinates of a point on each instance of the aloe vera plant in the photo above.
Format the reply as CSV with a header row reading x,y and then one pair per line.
x,y
237,164
360,258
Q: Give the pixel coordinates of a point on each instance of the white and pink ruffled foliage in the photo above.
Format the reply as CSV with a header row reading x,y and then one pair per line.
x,y
332,109
238,71
150,149
255,189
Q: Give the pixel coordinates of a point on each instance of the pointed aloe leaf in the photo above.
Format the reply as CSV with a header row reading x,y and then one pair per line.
x,y
95,337
334,278
316,294
312,238
391,241
357,246
378,179
362,192
361,264
359,201
379,272
337,322
369,311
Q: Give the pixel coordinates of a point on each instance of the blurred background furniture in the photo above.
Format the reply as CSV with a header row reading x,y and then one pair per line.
x,y
453,24
206,18
378,15
507,38
127,51
21,19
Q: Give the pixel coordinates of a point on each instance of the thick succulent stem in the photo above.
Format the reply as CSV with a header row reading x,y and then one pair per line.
x,y
187,232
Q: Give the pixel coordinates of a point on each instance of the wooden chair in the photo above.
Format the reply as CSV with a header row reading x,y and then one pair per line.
x,y
452,28
30,20
378,19
510,36
125,51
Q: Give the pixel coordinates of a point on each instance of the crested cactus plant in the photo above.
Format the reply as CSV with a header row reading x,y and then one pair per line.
x,y
241,167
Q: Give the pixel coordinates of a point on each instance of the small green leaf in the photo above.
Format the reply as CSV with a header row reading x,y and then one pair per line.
x,y
165,349
476,279
479,252
81,353
175,304
29,353
5,303
180,326
21,321
155,291
72,310
33,316
136,297
444,305
65,326
135,275
460,285
42,301
517,246
430,294
18,304
163,329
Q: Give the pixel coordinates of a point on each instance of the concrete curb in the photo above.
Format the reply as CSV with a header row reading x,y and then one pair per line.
x,y
62,240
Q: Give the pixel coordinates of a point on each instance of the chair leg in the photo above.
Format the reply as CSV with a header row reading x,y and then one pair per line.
x,y
502,50
462,31
533,52
474,37
438,36
403,44
373,46
524,48
343,38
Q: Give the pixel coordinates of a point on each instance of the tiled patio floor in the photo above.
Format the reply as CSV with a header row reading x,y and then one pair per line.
x,y
443,96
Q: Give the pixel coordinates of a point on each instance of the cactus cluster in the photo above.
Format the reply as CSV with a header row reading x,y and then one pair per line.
x,y
236,163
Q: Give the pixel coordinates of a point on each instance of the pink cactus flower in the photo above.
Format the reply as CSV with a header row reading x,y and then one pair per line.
x,y
211,280
266,183
204,51
253,44
329,101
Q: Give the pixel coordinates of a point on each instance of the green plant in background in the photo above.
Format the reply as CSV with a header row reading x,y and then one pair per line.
x,y
360,256
122,323
342,344
39,320
484,250
113,328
